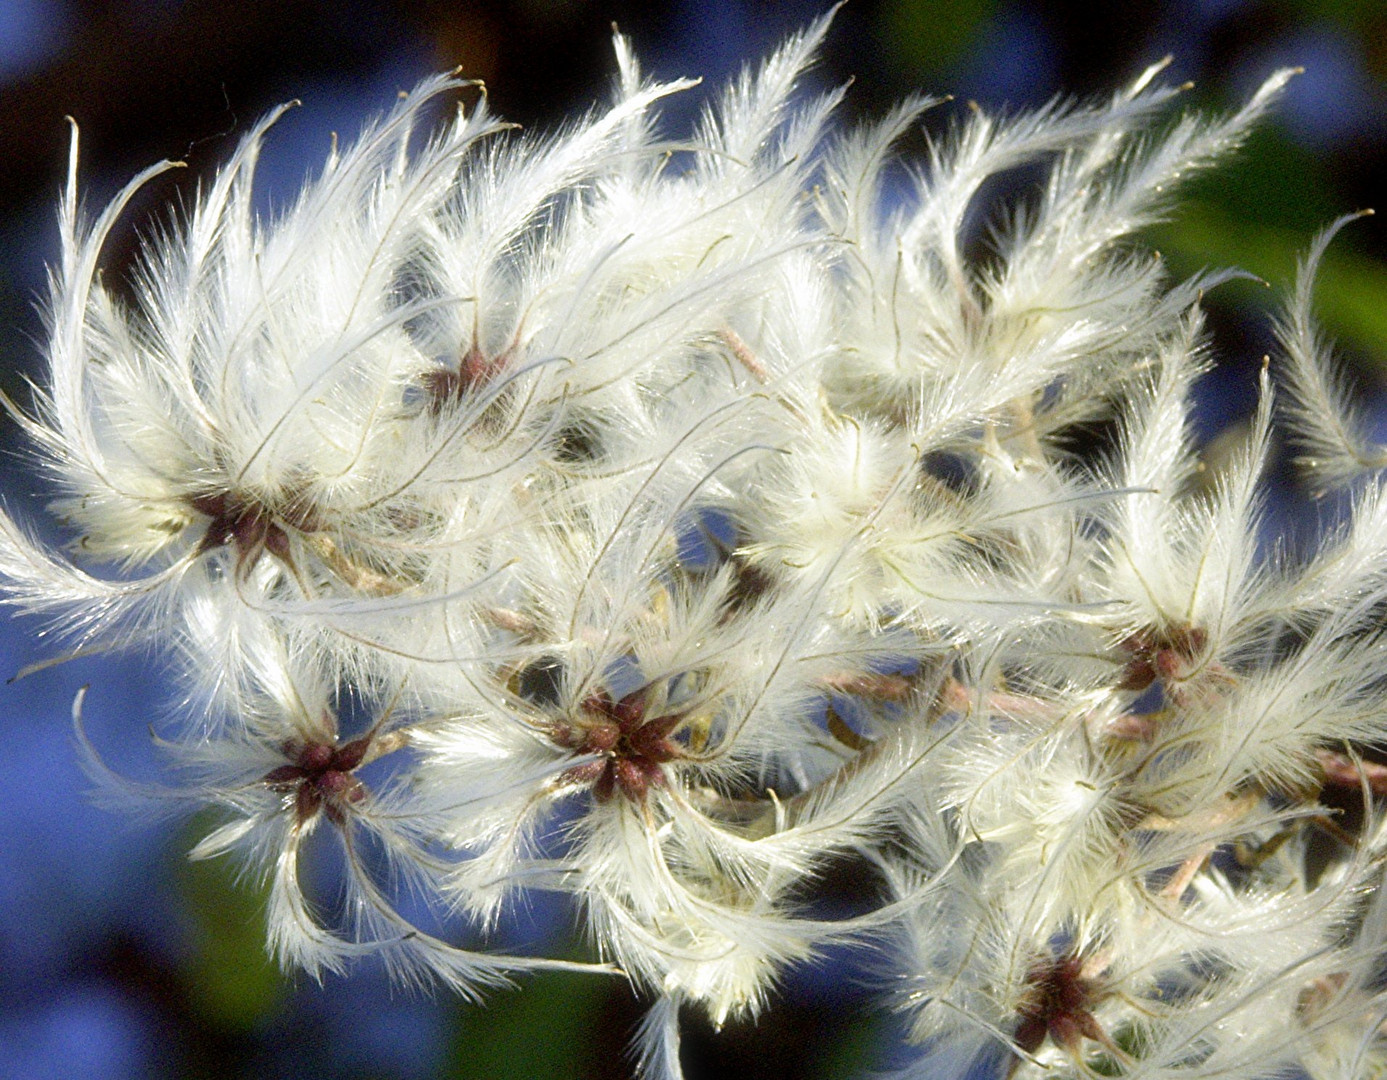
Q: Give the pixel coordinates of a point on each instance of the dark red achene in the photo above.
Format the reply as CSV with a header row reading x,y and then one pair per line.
x,y
1160,654
633,748
446,385
319,776
1058,1003
248,525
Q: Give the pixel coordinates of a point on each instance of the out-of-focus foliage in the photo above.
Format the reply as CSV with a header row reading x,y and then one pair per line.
x,y
545,1028
1256,218
234,984
933,36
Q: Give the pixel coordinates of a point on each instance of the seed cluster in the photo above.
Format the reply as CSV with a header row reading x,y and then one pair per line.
x,y
663,519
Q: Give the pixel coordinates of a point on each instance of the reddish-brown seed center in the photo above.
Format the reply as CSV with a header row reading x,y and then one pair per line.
x,y
249,526
633,749
1057,1003
319,776
1160,654
444,386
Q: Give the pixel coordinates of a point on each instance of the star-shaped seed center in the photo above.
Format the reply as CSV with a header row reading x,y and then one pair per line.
x,y
319,776
1059,999
633,748
250,526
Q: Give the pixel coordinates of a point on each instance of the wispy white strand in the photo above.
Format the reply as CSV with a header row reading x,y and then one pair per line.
x,y
662,521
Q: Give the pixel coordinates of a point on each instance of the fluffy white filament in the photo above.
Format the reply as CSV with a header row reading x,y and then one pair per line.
x,y
656,522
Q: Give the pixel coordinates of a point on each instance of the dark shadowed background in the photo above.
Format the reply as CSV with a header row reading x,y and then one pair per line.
x,y
118,958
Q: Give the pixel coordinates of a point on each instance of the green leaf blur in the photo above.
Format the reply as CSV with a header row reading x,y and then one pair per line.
x,y
234,984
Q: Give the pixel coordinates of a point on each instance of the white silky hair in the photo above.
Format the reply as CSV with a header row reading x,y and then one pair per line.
x,y
662,521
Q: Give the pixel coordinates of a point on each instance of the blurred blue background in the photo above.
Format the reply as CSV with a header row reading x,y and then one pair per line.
x,y
118,958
